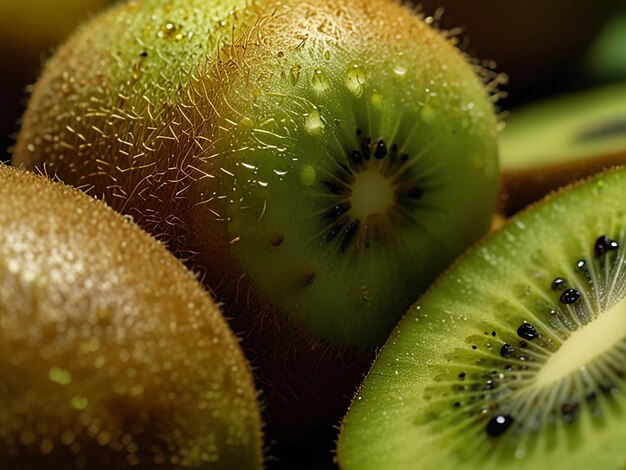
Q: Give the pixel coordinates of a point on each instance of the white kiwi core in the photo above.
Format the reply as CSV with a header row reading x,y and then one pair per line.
x,y
372,194
585,344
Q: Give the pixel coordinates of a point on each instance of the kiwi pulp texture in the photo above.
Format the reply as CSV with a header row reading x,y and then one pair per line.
x,y
111,353
515,358
550,144
318,161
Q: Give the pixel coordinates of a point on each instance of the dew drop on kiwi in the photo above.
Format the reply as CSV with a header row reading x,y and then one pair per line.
x,y
498,425
603,245
569,296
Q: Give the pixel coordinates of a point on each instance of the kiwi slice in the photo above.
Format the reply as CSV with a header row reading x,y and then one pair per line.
x,y
317,163
550,144
111,353
515,358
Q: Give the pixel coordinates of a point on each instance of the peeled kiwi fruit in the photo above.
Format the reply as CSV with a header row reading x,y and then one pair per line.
x,y
549,144
515,358
316,163
111,353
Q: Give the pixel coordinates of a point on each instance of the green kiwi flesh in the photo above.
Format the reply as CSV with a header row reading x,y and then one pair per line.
x,y
550,144
340,176
112,355
515,358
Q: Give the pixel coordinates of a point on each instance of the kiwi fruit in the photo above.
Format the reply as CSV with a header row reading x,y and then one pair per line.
x,y
29,32
317,163
515,357
112,355
605,61
549,144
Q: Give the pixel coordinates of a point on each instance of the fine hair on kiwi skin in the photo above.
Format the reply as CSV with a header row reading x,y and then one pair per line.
x,y
514,358
247,165
112,355
549,144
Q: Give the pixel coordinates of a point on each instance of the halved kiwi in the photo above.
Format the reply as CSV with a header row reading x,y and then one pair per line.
x,y
318,162
550,144
516,357
111,353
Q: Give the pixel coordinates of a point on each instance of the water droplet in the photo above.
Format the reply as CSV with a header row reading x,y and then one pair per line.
x,y
498,425
313,121
320,81
527,331
569,296
427,113
399,70
60,376
355,79
246,122
327,54
294,73
307,175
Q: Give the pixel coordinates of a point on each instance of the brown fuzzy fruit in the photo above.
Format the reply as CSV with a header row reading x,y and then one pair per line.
x,y
111,353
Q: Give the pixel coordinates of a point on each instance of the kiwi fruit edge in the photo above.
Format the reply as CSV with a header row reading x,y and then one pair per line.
x,y
112,355
550,144
245,163
537,380
29,32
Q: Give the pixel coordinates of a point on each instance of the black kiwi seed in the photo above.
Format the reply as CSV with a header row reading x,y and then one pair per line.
x,y
527,331
506,350
569,296
381,149
498,425
603,245
558,283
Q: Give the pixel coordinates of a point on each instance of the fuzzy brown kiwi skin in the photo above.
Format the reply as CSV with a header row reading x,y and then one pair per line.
x,y
523,187
305,380
80,286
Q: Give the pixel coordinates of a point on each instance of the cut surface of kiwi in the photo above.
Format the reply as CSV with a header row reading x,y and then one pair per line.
x,y
318,163
111,353
516,357
550,144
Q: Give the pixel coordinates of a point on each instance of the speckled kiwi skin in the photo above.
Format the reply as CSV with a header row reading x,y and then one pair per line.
x,y
145,134
111,353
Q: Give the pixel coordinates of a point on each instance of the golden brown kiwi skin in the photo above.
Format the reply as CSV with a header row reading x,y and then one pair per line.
x,y
111,353
523,187
304,379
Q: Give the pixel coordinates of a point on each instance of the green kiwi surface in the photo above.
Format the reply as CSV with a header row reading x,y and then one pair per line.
x,y
317,162
515,357
112,355
551,144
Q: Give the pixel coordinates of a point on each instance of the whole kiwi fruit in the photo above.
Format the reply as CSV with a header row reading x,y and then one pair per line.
x,y
112,355
317,163
514,359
